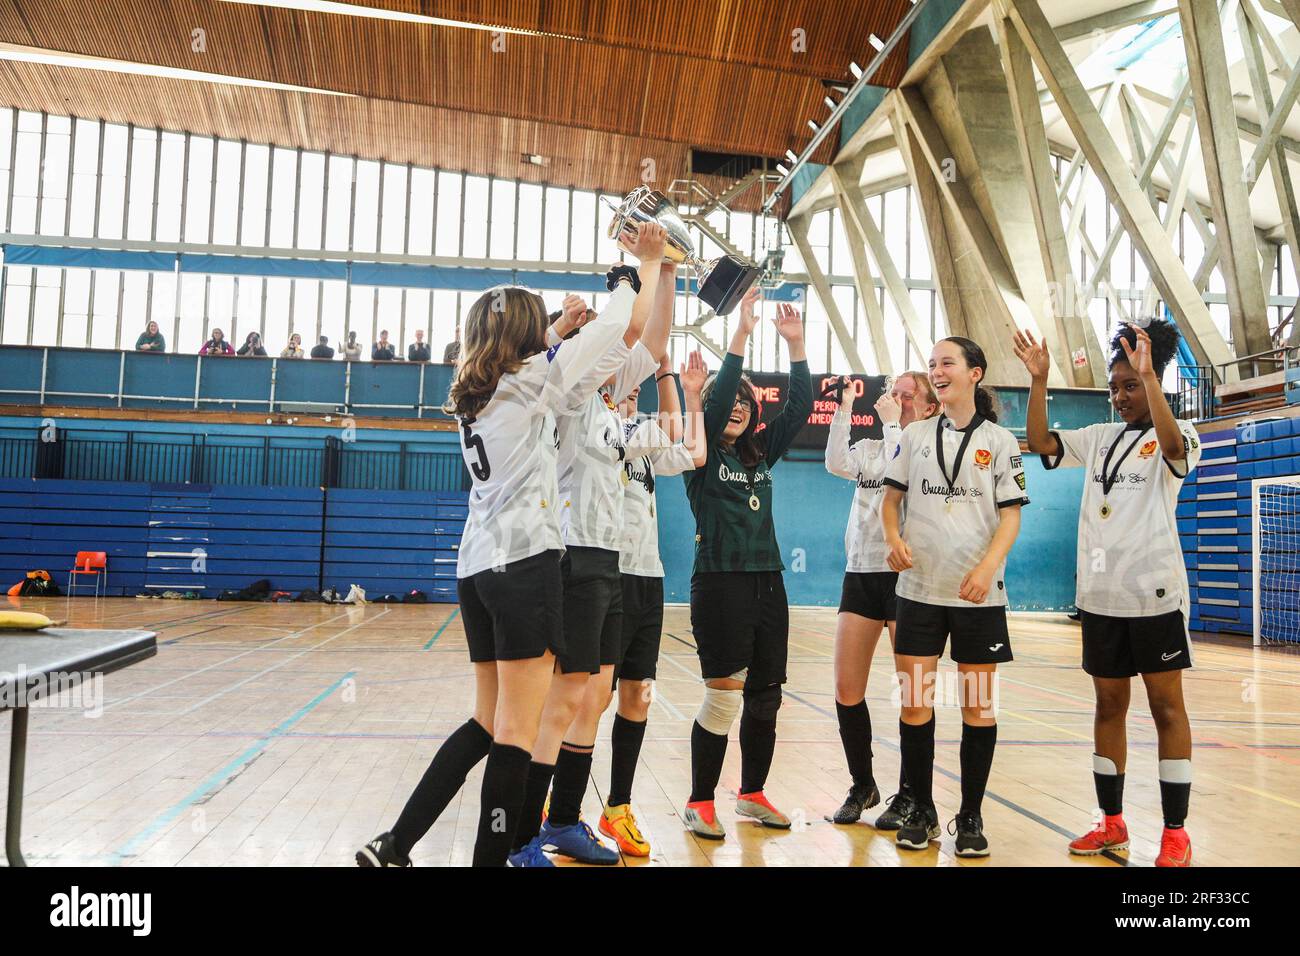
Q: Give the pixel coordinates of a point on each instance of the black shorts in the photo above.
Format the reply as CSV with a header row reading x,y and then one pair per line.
x,y
1129,646
643,624
869,594
979,634
515,613
593,610
741,619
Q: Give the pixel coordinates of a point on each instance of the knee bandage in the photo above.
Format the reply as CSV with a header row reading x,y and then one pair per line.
x,y
763,703
718,711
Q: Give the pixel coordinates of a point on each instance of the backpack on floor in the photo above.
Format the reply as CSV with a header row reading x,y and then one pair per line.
x,y
38,584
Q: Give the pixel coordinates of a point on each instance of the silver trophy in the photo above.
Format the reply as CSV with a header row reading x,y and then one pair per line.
x,y
722,282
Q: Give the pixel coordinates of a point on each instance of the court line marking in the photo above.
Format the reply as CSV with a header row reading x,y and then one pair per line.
x,y
450,617
221,776
177,680
266,670
1009,804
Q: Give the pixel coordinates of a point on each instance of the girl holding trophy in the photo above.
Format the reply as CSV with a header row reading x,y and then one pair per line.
x,y
506,392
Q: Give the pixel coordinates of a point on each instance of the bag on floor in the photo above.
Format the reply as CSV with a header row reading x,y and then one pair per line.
x,y
356,595
415,597
38,584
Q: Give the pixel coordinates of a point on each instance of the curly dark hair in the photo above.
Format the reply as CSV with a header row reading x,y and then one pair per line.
x,y
1164,344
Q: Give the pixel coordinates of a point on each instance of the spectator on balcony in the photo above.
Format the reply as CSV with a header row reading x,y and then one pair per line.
x,y
217,345
322,350
383,351
451,354
252,346
352,350
419,351
151,340
294,348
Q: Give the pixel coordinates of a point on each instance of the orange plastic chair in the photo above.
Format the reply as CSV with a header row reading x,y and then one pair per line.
x,y
94,563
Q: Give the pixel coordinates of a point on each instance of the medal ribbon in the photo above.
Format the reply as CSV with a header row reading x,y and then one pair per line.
x,y
1108,475
968,431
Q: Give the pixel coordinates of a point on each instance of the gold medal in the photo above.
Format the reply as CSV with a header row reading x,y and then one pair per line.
x,y
754,503
1105,510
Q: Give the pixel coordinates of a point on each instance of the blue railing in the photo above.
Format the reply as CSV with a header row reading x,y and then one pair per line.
x,y
34,375
231,459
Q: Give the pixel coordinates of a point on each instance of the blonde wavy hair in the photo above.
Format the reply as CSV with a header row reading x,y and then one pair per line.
x,y
922,381
504,327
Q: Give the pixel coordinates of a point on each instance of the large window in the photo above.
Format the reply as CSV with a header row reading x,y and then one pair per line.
x,y
95,179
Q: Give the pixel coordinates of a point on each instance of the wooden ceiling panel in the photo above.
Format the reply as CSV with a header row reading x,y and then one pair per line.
x,y
610,83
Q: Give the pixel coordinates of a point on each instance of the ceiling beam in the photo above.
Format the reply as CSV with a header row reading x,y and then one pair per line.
x,y
1144,228
798,227
1250,131
1066,305
1115,19
863,280
1283,188
863,228
1010,310
940,247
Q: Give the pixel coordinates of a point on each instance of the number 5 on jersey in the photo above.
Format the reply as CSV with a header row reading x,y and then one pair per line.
x,y
482,468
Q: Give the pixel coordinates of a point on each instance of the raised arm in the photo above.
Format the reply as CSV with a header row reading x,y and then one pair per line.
x,y
648,247
655,336
693,375
578,366
846,460
799,397
670,407
1172,445
839,460
722,397
1039,362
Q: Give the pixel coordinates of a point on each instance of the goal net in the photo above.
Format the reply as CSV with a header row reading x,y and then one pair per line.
x,y
1275,568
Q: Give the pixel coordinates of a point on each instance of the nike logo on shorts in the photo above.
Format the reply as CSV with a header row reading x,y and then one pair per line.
x,y
1170,657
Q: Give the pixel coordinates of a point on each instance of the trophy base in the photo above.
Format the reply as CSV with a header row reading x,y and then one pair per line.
x,y
727,282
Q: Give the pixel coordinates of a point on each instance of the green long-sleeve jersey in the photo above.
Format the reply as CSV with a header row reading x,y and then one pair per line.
x,y
729,534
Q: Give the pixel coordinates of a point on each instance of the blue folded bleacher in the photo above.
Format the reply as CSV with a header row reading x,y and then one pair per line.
x,y
211,538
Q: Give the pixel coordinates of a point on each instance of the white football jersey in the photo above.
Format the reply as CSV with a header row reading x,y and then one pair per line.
x,y
949,529
651,454
591,456
510,446
1130,562
863,462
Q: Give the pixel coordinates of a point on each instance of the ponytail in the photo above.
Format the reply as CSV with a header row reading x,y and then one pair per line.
x,y
986,405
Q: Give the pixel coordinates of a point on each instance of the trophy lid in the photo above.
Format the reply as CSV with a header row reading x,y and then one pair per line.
x,y
644,204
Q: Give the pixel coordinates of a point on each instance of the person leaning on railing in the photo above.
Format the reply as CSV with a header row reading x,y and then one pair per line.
x,y
322,350
383,351
294,348
151,340
418,351
217,345
352,348
252,346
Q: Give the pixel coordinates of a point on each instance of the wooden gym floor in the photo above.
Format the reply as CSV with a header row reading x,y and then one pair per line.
x,y
269,735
